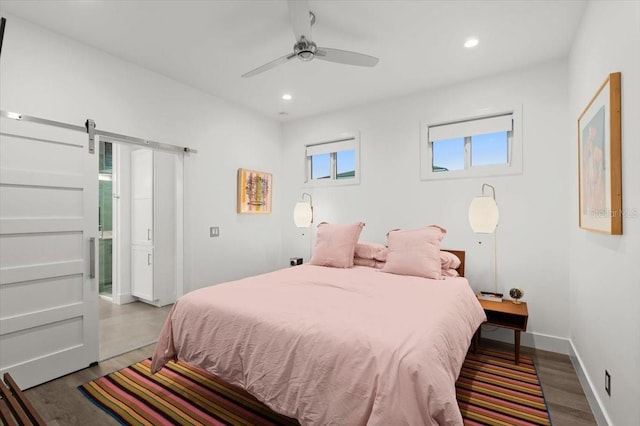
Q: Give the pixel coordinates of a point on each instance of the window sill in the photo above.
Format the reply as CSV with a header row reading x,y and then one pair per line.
x,y
330,183
484,171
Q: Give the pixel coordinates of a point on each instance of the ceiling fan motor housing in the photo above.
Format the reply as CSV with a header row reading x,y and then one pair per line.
x,y
305,50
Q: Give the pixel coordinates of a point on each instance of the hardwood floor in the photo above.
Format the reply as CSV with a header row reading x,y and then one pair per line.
x,y
60,403
562,390
127,335
124,328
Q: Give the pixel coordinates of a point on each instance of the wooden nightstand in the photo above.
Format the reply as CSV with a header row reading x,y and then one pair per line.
x,y
506,314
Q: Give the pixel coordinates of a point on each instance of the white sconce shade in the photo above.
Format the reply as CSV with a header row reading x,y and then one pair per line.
x,y
483,218
303,213
483,215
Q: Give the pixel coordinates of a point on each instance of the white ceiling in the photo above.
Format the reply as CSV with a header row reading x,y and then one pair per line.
x,y
210,44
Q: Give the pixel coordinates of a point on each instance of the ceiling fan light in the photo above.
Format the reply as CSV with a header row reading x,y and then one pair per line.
x,y
305,55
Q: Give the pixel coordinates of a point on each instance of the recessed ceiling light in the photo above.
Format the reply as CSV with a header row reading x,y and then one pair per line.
x,y
471,42
287,97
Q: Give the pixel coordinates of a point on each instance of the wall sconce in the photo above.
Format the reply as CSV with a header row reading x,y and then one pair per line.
x,y
483,218
303,212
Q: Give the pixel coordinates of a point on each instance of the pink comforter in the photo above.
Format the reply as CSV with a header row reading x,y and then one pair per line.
x,y
332,346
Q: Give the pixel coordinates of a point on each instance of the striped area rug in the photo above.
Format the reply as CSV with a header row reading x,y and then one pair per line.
x,y
491,390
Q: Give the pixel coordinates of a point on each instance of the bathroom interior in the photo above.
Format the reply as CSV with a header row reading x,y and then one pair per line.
x,y
139,190
105,220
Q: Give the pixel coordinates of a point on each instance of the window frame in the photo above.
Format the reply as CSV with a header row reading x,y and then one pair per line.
x,y
329,146
514,148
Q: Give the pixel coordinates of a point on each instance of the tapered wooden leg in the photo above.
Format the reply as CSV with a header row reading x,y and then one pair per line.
x,y
517,345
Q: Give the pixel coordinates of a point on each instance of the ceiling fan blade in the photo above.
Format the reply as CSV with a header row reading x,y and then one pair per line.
x,y
300,19
269,65
345,57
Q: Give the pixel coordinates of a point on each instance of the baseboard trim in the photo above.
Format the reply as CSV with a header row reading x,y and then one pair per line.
x,y
587,386
540,341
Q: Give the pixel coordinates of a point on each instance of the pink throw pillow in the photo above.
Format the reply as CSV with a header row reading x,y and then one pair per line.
x,y
358,261
449,273
381,256
449,260
336,244
368,250
415,252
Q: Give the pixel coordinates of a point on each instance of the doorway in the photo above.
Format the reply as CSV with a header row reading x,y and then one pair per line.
x,y
128,316
105,221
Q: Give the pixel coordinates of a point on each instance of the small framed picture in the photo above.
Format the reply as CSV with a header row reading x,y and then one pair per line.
x,y
254,192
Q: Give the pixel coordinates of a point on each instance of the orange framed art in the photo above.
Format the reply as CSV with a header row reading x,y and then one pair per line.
x,y
254,192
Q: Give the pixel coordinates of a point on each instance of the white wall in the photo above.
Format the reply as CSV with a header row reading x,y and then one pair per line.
x,y
605,270
50,76
533,236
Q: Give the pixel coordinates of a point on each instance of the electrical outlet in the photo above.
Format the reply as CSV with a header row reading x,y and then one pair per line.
x,y
214,231
607,382
294,261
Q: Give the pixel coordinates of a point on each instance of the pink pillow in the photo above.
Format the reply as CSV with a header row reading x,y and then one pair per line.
x,y
449,260
368,250
358,261
336,244
449,273
381,256
415,252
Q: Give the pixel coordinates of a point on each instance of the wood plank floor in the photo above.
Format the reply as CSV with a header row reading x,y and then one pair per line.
x,y
124,328
562,390
60,403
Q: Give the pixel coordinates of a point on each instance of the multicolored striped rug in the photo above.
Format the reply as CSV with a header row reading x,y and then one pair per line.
x,y
491,390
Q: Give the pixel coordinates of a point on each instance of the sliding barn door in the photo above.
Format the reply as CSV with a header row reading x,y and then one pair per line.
x,y
48,236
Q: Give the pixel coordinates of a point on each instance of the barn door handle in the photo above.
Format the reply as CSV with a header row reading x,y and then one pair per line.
x,y
148,258
149,234
92,257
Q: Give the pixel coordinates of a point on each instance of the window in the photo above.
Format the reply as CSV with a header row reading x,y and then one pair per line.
x,y
321,166
448,154
484,146
333,162
490,148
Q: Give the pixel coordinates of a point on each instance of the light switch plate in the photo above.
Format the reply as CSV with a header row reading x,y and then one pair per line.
x,y
214,231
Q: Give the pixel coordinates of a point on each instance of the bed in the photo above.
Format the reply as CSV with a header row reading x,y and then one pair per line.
x,y
332,346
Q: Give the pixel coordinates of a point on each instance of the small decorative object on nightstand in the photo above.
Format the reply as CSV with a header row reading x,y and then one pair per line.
x,y
516,294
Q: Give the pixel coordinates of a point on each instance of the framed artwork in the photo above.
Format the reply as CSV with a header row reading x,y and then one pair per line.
x,y
599,162
254,192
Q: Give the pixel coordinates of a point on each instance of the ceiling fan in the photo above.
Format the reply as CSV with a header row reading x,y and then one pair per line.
x,y
305,49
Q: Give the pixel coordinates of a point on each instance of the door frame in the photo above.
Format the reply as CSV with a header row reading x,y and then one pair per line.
x,y
122,212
